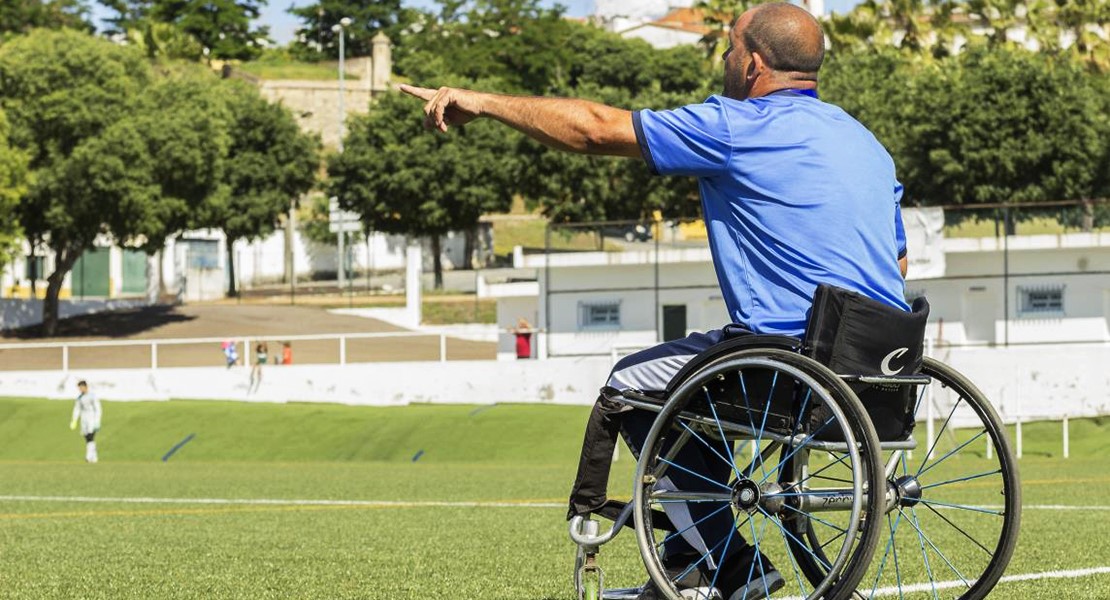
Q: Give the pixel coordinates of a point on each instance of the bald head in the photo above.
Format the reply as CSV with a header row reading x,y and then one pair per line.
x,y
787,37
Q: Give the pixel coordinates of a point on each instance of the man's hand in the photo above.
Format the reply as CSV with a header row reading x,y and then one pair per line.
x,y
73,424
446,106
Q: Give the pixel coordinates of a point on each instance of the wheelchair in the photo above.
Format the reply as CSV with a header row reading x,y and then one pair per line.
x,y
822,469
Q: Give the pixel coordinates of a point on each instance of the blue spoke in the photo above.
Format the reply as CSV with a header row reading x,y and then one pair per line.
x,y
795,450
706,444
821,470
705,556
968,478
720,563
796,540
897,568
925,556
950,453
698,475
961,507
763,425
933,445
758,555
794,565
815,518
690,526
724,440
960,529
917,525
886,553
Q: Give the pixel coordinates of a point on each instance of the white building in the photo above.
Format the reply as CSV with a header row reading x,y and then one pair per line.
x,y
983,291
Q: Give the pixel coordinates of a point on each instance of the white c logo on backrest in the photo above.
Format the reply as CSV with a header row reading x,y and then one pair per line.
x,y
885,366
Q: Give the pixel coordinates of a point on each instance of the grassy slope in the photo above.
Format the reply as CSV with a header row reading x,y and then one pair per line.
x,y
299,451
142,431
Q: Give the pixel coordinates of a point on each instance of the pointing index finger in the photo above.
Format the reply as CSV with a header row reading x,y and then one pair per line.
x,y
419,92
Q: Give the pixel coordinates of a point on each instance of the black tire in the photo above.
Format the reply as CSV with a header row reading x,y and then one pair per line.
x,y
863,461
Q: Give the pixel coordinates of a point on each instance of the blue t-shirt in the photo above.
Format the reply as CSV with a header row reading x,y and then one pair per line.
x,y
795,192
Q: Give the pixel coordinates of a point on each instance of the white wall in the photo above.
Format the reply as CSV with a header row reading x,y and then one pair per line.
x,y
1040,382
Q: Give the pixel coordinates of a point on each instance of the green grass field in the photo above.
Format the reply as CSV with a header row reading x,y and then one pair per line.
x,y
73,541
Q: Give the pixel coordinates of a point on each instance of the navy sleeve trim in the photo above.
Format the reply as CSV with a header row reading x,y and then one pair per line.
x,y
902,253
641,139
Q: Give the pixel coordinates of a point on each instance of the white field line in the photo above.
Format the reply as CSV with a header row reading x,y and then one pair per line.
x,y
946,585
284,502
398,503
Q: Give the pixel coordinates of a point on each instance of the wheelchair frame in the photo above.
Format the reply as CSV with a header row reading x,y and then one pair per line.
x,y
901,494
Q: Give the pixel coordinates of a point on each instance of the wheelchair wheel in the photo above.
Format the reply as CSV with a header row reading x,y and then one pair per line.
x,y
953,507
721,459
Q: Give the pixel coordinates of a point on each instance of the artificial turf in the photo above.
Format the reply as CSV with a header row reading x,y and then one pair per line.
x,y
507,454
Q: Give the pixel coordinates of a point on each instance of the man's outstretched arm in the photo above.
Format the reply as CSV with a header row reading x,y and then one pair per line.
x,y
562,123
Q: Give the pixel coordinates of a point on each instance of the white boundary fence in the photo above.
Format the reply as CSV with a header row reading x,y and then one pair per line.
x,y
340,339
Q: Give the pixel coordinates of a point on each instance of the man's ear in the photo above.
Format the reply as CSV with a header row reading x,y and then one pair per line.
x,y
758,66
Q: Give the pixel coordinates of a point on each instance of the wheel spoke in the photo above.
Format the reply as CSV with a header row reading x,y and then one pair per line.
x,y
962,507
698,475
691,526
968,478
934,441
720,563
950,453
707,554
839,460
794,566
917,525
721,430
960,529
925,556
886,554
795,450
730,463
816,518
796,540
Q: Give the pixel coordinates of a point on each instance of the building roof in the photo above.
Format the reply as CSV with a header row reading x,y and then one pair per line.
x,y
689,20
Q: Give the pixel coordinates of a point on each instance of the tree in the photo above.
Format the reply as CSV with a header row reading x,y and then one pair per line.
x,y
269,163
13,172
221,26
87,172
982,127
22,16
404,180
317,41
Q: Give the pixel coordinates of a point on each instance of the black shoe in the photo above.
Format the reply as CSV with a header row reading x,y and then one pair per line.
x,y
691,583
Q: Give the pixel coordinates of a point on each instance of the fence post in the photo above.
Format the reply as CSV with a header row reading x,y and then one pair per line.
x,y
246,352
1066,449
1020,418
65,358
153,356
442,347
342,349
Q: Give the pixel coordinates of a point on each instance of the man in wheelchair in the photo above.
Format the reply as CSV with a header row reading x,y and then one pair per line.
x,y
795,193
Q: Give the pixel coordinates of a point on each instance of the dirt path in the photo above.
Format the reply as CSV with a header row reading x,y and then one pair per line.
x,y
226,322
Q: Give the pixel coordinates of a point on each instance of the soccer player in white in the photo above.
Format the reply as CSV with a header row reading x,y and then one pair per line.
x,y
86,410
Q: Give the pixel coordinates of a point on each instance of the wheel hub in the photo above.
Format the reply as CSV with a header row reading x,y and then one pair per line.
x,y
909,490
745,495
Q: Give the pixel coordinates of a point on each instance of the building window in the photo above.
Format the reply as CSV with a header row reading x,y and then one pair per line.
x,y
1041,301
34,267
599,315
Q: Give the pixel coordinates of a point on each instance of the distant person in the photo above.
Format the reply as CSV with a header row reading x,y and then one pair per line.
x,y
286,353
86,411
261,353
231,353
523,333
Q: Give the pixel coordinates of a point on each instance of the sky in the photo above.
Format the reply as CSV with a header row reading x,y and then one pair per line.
x,y
282,24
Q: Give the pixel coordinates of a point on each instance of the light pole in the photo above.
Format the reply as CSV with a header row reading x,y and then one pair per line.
x,y
341,29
